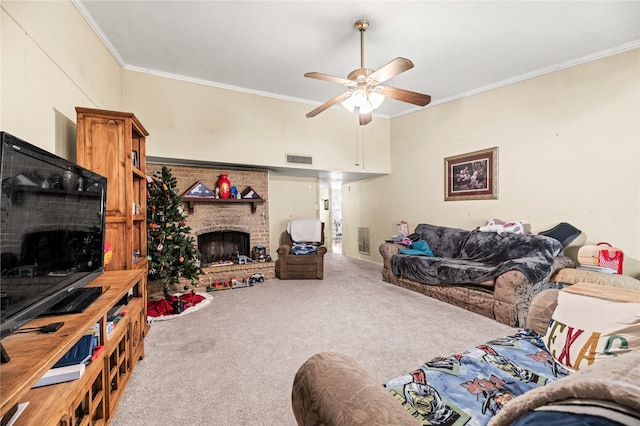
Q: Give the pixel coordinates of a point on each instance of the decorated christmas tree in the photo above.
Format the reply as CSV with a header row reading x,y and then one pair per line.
x,y
172,252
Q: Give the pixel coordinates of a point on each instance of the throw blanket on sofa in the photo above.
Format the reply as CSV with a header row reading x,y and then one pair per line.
x,y
473,256
470,388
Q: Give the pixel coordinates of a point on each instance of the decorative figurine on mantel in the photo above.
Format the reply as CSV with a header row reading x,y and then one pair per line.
x,y
224,186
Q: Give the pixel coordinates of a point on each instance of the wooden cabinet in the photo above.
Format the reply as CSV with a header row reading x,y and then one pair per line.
x,y
113,144
93,398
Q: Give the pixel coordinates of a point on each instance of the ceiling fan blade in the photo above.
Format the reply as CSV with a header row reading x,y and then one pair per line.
x,y
331,78
391,69
364,118
327,104
406,95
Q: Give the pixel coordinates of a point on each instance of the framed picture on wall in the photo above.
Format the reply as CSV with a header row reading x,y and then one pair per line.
x,y
472,176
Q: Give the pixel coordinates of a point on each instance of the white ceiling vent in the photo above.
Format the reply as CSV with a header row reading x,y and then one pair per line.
x,y
299,159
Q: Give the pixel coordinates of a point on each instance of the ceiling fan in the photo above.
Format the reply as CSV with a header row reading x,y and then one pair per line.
x,y
365,93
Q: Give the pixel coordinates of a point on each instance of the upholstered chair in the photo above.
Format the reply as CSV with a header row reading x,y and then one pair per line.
x,y
302,234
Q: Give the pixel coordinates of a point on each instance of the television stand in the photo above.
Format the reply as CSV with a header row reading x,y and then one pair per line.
x,y
93,398
75,302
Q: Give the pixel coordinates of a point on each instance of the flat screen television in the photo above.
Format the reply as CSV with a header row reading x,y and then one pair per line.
x,y
52,227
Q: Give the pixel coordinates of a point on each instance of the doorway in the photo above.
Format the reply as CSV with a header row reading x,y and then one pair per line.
x,y
336,216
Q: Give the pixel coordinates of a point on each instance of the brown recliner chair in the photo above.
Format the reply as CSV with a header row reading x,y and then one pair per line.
x,y
300,266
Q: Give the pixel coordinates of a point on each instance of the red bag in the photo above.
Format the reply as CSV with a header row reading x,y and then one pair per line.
x,y
611,259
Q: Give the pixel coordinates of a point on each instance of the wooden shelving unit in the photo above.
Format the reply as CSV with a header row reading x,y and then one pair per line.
x,y
113,144
92,399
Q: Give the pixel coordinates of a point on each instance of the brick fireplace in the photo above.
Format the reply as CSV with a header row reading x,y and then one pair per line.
x,y
224,229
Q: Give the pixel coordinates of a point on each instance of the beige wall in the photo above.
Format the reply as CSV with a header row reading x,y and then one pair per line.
x,y
194,121
569,151
51,62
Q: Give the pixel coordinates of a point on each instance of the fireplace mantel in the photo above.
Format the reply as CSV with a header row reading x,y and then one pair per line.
x,y
199,193
192,200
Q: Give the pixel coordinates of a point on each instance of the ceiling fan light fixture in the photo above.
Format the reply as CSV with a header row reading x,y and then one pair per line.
x,y
348,103
365,100
360,98
376,99
366,108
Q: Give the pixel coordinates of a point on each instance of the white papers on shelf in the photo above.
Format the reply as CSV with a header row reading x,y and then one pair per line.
x,y
61,374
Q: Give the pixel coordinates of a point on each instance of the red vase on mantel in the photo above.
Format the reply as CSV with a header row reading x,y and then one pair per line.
x,y
224,186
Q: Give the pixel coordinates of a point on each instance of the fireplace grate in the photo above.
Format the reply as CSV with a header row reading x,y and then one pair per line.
x,y
223,245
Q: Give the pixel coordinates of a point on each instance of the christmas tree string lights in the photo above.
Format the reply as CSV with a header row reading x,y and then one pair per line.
x,y
172,252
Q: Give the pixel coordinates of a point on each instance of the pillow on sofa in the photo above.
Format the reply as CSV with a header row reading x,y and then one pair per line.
x,y
585,329
541,310
418,248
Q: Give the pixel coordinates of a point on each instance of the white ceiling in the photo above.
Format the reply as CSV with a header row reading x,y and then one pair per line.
x,y
458,47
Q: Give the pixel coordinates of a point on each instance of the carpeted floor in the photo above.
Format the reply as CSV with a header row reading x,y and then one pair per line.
x,y
233,362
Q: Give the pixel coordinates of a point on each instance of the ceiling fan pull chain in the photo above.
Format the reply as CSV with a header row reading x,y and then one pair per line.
x,y
357,151
362,132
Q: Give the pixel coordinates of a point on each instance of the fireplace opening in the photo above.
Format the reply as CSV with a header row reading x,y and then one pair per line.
x,y
225,246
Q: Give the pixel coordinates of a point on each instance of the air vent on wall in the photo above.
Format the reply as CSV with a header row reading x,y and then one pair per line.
x,y
363,240
299,159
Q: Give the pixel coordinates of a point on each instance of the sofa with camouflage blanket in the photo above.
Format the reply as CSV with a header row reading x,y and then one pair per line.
x,y
484,272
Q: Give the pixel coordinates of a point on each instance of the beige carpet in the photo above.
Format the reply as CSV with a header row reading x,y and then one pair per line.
x,y
233,362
